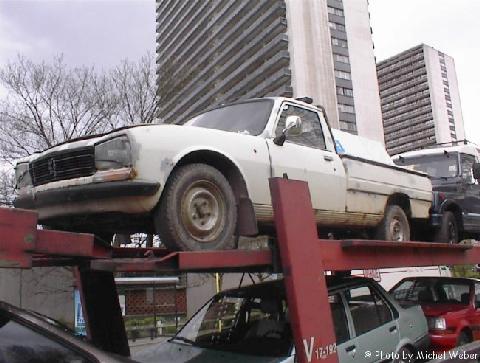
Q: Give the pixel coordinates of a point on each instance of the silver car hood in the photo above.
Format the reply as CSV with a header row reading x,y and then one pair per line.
x,y
172,352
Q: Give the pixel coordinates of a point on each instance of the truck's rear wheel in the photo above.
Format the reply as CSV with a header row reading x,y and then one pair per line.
x,y
448,231
197,210
394,225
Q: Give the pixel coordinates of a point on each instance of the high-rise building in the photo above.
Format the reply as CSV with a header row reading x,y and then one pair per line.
x,y
420,100
219,51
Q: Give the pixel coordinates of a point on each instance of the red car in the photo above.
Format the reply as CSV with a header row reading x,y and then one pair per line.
x,y
450,304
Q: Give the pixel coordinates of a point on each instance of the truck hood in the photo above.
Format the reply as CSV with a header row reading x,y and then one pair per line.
x,y
168,131
87,140
442,309
171,352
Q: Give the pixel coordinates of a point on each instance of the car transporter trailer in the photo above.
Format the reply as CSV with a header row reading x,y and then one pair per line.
x,y
299,255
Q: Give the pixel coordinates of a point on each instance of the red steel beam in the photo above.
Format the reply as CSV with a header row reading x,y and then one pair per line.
x,y
238,260
64,244
218,260
18,233
359,254
303,271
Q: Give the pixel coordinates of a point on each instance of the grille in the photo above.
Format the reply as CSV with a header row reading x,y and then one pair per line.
x,y
63,165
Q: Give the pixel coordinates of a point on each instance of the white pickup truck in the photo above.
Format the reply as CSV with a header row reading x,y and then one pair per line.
x,y
199,184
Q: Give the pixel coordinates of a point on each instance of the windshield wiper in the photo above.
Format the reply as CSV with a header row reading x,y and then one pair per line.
x,y
183,339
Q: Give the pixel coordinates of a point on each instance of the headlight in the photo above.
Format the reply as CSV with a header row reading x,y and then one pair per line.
x,y
113,154
437,323
22,175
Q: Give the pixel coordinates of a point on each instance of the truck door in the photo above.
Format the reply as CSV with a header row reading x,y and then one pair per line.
x,y
310,156
471,199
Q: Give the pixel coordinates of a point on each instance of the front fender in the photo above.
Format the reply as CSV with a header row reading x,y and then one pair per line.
x,y
202,148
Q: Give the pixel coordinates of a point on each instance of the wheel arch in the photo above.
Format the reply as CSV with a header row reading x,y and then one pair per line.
x,y
465,328
402,200
247,224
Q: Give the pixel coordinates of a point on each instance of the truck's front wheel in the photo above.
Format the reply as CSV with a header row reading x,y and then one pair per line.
x,y
197,210
448,231
394,225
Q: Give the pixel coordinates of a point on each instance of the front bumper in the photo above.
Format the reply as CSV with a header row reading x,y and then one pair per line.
x,y
85,192
443,341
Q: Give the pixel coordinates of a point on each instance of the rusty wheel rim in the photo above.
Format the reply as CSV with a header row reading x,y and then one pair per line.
x,y
203,210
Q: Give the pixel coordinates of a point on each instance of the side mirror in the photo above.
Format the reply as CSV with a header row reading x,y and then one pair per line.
x,y
476,171
293,126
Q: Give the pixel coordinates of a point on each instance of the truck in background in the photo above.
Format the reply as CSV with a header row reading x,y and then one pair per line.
x,y
455,173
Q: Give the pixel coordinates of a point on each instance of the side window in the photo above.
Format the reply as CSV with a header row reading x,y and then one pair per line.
x,y
339,318
368,309
20,344
467,166
311,135
403,291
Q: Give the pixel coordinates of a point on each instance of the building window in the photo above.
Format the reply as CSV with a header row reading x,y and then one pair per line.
x,y
335,11
348,126
452,128
346,108
339,42
445,83
336,26
341,58
344,91
444,75
443,68
343,75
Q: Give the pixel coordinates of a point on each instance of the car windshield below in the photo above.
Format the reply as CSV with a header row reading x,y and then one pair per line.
x,y
241,322
249,118
436,166
433,291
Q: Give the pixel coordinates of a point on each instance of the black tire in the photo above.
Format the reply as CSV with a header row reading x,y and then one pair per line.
x,y
405,355
464,338
448,231
197,210
394,225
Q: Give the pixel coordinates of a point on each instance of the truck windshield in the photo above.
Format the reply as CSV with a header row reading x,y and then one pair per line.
x,y
249,118
241,323
436,166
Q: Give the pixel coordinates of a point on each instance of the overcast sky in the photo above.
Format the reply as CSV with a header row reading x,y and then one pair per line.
x,y
102,32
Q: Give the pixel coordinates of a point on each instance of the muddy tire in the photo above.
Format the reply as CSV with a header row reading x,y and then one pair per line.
x,y
448,231
394,225
197,210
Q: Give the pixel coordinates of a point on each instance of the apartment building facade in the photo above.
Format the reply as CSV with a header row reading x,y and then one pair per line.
x,y
420,100
219,51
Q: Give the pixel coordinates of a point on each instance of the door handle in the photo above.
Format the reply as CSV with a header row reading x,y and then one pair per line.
x,y
392,329
327,158
350,348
